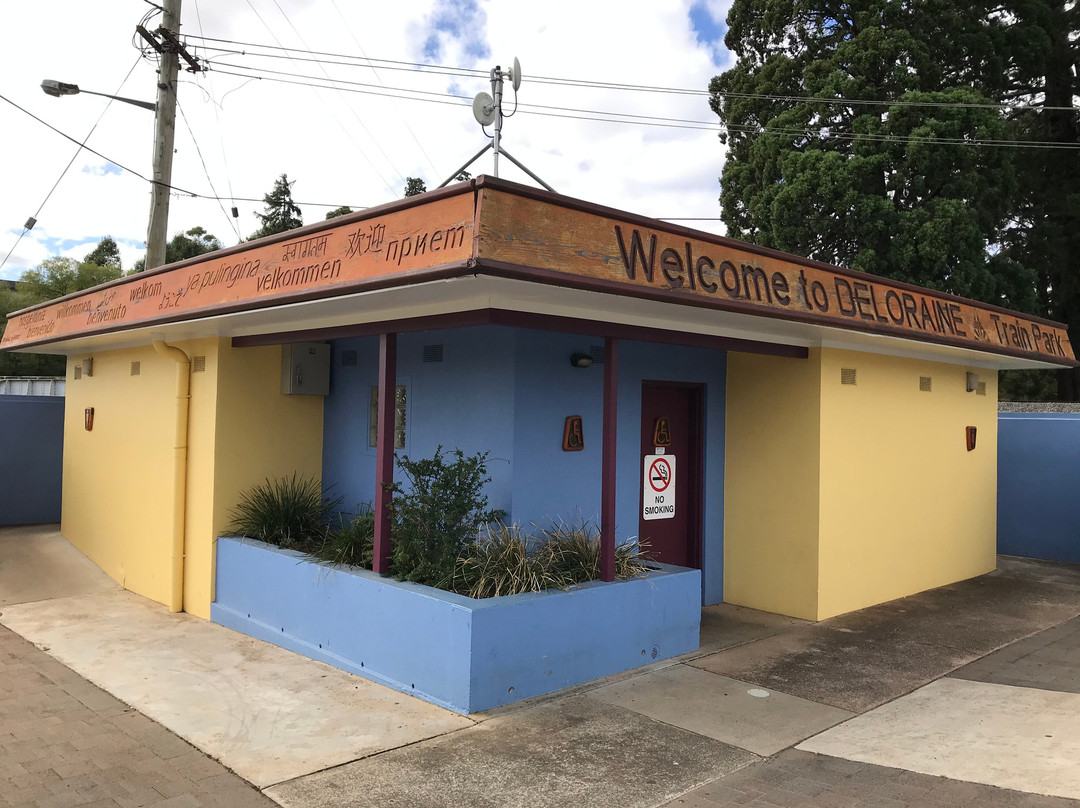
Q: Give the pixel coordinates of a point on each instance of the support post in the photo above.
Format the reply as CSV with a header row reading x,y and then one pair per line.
x,y
384,450
164,133
607,468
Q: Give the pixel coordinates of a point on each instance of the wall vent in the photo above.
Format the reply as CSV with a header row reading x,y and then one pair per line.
x,y
597,354
348,358
77,372
136,368
433,353
925,384
981,389
847,375
198,364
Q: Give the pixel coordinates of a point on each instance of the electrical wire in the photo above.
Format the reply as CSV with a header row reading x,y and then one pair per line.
x,y
645,120
71,162
220,130
206,171
392,64
344,128
375,72
175,188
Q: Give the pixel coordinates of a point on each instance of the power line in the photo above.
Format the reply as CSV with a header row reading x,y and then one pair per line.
x,y
206,171
393,64
344,128
643,120
176,188
33,219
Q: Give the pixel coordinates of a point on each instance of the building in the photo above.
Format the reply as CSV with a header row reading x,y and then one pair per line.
x,y
818,440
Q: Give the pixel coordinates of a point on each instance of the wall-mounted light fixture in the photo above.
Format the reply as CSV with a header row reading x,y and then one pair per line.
x,y
581,360
972,382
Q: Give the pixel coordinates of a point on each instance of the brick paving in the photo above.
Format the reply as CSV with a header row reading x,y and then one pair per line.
x,y
65,743
797,779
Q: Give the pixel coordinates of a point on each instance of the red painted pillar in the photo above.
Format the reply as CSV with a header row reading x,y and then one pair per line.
x,y
607,469
384,450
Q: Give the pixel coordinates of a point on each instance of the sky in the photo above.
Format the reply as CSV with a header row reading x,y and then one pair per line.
x,y
236,134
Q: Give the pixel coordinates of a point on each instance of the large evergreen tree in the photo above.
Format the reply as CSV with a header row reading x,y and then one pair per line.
x,y
281,213
1043,73
861,133
852,130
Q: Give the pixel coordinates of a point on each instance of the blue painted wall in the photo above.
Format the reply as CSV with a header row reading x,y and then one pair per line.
x,y
508,392
1039,485
31,459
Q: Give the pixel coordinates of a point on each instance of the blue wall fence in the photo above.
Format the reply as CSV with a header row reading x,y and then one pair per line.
x,y
31,459
1039,485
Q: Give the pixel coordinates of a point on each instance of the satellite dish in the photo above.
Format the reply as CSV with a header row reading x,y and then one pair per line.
x,y
483,109
515,74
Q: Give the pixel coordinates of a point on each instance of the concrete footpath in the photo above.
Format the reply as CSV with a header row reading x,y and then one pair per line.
x,y
964,695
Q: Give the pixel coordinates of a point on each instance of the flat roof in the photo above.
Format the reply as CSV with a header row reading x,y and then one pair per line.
x,y
489,244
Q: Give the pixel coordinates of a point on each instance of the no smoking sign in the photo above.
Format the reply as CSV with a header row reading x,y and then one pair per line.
x,y
658,493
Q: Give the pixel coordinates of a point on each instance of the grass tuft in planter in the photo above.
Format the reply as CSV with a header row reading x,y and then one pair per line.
x,y
352,542
500,562
290,512
575,552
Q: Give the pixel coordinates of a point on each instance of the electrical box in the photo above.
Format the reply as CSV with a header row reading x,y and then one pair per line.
x,y
305,369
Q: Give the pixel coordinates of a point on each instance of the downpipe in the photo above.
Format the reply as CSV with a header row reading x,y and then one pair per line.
x,y
180,452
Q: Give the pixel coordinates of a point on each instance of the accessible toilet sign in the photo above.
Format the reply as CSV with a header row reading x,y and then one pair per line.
x,y
658,497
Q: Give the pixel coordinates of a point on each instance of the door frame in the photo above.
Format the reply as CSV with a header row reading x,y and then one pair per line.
x,y
696,464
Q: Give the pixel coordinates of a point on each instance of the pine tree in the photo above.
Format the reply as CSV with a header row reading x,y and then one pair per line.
x,y
839,150
281,212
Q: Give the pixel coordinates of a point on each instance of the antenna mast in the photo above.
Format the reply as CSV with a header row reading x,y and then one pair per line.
x,y
487,109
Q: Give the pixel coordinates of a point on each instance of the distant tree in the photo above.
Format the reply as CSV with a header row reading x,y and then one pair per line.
x,y
462,176
414,186
281,212
183,246
54,278
339,212
105,254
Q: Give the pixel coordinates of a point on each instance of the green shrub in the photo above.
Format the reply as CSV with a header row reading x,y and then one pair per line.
x,y
290,512
352,542
440,513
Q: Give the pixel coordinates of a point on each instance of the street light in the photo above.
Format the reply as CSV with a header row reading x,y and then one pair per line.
x,y
58,88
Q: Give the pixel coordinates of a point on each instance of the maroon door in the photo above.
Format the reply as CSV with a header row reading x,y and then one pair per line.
x,y
671,428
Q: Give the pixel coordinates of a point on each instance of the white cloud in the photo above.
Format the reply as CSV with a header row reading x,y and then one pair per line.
x,y
342,147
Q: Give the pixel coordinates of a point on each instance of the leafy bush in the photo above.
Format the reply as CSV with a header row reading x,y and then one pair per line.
x,y
290,512
438,516
352,542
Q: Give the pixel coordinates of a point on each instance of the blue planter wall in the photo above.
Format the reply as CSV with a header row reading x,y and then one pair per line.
x,y
463,654
1039,485
508,392
31,459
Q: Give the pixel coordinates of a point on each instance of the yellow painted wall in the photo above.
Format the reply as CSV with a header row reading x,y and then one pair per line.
x,y
904,506
117,504
117,484
259,433
771,483
838,497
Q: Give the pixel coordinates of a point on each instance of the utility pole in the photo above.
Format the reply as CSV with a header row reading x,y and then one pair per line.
x,y
164,134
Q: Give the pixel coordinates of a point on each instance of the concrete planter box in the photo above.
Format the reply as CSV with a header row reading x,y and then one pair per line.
x,y
464,654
